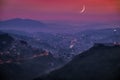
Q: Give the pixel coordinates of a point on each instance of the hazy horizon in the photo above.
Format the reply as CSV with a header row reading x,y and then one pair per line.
x,y
64,15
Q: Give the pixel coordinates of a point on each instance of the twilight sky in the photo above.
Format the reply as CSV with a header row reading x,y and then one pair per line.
x,y
61,10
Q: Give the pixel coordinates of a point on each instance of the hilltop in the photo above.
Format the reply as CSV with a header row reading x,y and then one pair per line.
x,y
101,62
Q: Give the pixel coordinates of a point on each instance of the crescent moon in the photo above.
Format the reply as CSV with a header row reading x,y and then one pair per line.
x,y
83,9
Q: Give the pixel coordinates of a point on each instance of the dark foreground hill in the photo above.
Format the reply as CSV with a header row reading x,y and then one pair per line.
x,y
21,61
98,63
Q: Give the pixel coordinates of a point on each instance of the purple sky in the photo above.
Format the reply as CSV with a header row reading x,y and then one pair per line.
x,y
65,12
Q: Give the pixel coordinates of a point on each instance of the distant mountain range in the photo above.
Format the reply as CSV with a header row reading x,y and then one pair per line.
x,y
23,23
101,62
